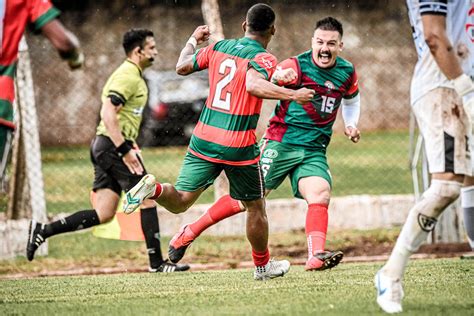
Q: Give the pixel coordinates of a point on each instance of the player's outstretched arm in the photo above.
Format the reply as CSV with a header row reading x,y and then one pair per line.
x,y
65,42
258,86
185,65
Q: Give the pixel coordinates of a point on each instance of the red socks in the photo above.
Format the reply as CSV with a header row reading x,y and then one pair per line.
x,y
316,227
158,191
260,258
223,208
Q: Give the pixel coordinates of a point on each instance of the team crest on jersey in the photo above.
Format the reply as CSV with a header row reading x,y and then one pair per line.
x,y
270,153
267,63
328,84
426,223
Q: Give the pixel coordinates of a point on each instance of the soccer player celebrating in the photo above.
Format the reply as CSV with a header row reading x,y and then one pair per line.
x,y
296,141
117,163
14,16
442,99
224,138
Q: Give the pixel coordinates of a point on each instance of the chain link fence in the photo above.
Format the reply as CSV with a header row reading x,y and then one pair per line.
x,y
377,40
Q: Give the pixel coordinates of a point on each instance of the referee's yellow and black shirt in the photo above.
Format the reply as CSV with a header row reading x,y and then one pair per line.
x,y
126,83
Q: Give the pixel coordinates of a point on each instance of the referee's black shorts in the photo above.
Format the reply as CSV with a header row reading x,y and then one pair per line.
x,y
110,172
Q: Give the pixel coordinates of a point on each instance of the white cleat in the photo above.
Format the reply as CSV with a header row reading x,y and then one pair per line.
x,y
273,269
389,293
144,189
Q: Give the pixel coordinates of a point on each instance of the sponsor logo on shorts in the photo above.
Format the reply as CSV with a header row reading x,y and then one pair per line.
x,y
270,153
426,223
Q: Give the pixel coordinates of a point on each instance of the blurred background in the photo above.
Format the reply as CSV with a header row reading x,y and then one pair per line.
x,y
377,40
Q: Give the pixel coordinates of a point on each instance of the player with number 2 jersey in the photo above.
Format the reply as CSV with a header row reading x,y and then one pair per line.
x,y
224,138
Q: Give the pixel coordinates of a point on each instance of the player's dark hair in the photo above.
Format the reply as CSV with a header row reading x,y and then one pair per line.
x,y
135,38
260,18
329,24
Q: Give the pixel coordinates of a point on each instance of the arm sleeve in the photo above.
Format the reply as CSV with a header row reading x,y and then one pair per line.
x,y
122,88
265,64
351,111
290,63
202,56
433,7
41,12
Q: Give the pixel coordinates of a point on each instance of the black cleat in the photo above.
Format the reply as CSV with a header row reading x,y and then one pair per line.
x,y
178,245
35,239
169,267
176,254
330,259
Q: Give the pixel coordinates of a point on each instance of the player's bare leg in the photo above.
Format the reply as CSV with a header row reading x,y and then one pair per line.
x,y
257,234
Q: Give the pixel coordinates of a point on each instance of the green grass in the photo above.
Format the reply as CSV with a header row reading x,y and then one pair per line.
x,y
433,287
377,165
82,249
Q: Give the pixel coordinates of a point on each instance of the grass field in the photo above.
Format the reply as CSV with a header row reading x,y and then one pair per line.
x,y
377,165
83,250
432,287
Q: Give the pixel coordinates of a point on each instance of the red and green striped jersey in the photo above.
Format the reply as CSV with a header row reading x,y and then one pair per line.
x,y
14,15
225,132
310,124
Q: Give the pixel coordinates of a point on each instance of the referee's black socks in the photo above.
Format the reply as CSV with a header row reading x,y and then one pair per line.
x,y
77,221
151,231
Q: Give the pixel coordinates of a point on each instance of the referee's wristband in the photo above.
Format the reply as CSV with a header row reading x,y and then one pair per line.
x,y
123,149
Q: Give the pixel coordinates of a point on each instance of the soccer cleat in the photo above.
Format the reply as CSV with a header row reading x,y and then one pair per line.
x,y
144,189
273,269
35,239
178,245
168,267
389,293
324,260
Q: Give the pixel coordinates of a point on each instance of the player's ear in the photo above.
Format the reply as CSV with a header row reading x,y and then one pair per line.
x,y
244,26
273,30
340,46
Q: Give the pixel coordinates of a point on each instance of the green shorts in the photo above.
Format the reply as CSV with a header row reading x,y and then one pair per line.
x,y
245,182
279,160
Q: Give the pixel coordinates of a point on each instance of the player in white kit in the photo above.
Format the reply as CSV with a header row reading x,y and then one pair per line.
x,y
442,99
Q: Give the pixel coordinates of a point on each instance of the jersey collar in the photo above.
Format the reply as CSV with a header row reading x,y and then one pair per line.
x,y
138,67
249,40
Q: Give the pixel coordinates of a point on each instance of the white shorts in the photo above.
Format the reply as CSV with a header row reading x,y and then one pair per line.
x,y
446,131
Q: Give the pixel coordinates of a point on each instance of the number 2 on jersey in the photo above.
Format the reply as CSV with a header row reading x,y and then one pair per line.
x,y
218,102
